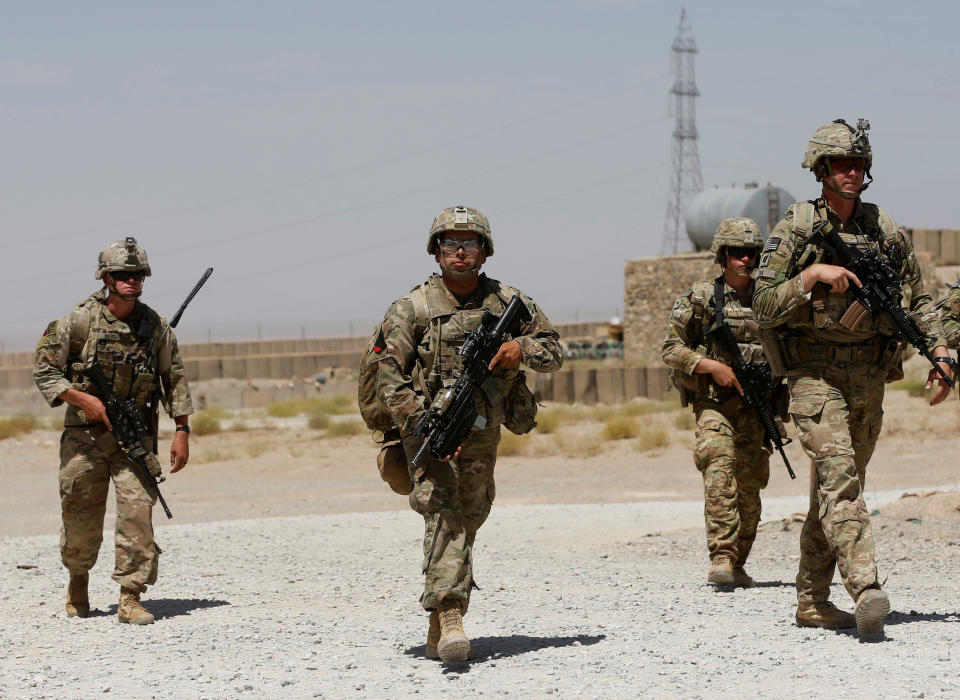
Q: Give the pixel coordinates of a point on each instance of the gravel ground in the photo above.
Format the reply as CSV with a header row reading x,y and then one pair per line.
x,y
599,600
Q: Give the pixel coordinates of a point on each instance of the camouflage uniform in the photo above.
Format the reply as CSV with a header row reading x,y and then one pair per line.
x,y
950,317
729,451
421,333
836,377
89,455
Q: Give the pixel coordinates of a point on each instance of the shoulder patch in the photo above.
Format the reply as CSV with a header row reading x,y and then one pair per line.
x,y
379,343
772,244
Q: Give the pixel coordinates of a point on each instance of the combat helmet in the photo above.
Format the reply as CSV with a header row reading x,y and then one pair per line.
x,y
738,232
460,218
126,255
839,140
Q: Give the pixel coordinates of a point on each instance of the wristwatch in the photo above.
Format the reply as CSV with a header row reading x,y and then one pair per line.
x,y
946,358
183,429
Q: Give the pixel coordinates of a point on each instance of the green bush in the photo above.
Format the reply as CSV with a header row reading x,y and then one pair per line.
x,y
338,405
318,420
913,387
255,449
620,428
549,421
646,407
581,447
685,421
651,439
286,409
511,444
17,425
203,423
345,428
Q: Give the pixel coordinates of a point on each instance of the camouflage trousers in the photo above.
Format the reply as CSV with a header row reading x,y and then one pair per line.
x,y
89,459
454,500
735,465
838,413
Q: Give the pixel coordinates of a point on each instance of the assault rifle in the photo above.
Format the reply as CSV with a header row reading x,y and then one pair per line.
x,y
130,432
453,415
754,377
881,292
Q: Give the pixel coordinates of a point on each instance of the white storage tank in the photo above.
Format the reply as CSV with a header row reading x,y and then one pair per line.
x,y
765,205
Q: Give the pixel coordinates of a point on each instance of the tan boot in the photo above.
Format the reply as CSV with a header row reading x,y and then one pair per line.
x,y
433,635
130,610
873,605
824,614
453,644
78,604
741,578
721,571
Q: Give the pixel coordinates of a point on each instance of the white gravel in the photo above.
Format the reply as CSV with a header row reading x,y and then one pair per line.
x,y
577,601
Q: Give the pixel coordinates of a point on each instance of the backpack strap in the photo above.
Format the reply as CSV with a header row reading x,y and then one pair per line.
x,y
803,215
718,302
421,325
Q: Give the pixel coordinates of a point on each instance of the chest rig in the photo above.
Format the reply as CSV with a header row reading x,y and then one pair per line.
x,y
124,349
740,319
831,313
447,328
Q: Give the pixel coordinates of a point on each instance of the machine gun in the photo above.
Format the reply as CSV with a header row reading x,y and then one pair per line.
x,y
881,292
452,415
130,431
754,378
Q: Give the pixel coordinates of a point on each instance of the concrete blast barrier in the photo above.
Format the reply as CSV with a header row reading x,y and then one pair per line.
x,y
656,382
585,386
610,385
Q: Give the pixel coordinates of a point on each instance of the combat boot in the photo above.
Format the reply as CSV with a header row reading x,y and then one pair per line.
x,y
741,578
130,610
823,614
78,604
453,644
873,605
721,571
433,635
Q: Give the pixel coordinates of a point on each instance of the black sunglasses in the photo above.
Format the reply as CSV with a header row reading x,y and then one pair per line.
x,y
121,276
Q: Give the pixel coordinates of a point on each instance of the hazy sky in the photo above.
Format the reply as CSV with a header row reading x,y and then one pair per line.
x,y
303,148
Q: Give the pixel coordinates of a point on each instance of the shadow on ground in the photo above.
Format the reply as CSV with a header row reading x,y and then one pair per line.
x,y
902,618
168,607
484,649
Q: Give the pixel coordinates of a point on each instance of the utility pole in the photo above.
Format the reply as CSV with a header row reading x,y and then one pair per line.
x,y
686,180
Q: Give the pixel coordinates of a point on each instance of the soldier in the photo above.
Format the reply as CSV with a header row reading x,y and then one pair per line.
x,y
136,348
730,451
950,316
836,367
416,351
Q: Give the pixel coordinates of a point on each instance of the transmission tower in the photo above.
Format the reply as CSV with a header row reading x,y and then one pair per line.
x,y
685,177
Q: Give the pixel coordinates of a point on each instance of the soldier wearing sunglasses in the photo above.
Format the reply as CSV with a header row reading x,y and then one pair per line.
x,y
729,452
135,349
416,354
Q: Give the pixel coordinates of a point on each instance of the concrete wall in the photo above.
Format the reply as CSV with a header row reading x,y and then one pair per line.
x,y
267,359
605,385
651,286
939,246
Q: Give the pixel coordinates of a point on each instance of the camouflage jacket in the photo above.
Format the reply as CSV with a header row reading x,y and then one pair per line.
x,y
70,344
419,349
812,316
950,317
686,342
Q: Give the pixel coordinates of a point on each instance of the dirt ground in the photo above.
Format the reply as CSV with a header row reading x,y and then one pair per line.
x,y
289,469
